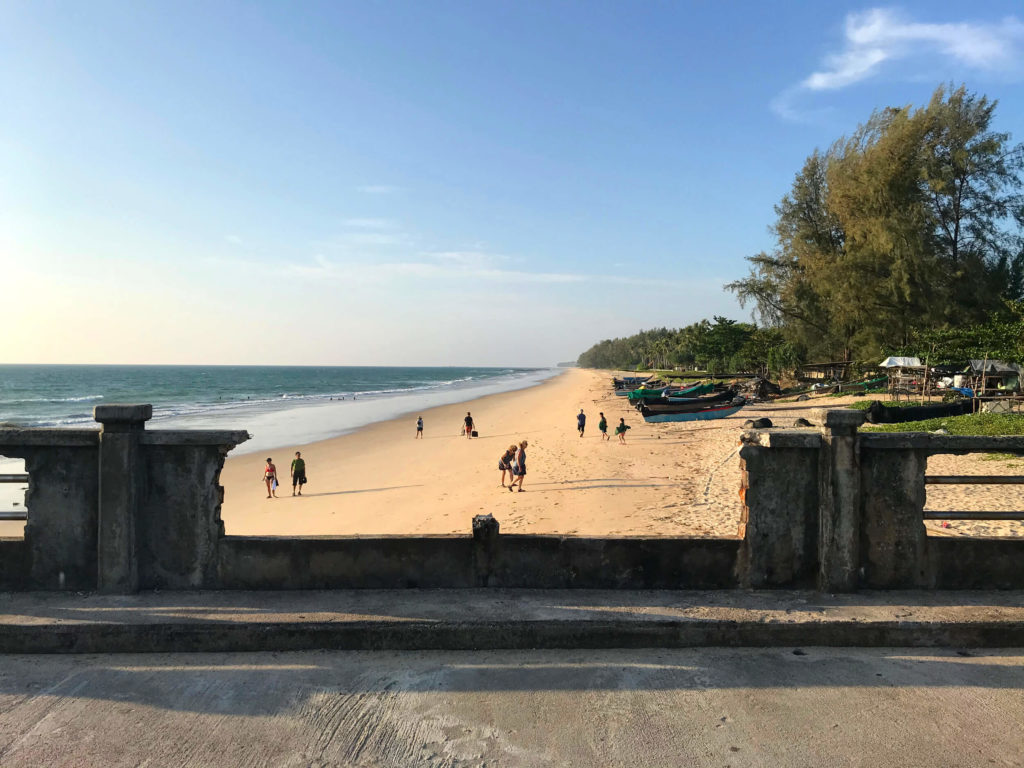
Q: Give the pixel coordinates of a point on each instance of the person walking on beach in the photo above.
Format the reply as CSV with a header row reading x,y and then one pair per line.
x,y
621,430
505,464
298,473
469,424
602,425
581,421
270,478
519,467
419,427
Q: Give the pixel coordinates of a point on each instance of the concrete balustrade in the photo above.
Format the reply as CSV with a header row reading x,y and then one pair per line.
x,y
866,511
123,509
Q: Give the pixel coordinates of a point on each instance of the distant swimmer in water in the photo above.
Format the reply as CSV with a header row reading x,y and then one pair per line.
x,y
581,421
298,473
419,428
621,430
469,424
270,478
602,425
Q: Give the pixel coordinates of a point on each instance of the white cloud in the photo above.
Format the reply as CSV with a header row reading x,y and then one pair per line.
x,y
233,239
456,265
880,36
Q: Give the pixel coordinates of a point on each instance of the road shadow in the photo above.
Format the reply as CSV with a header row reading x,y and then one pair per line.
x,y
268,684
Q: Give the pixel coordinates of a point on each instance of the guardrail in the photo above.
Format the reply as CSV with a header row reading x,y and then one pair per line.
x,y
930,514
14,514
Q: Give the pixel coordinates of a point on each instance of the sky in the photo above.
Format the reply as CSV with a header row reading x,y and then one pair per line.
x,y
426,182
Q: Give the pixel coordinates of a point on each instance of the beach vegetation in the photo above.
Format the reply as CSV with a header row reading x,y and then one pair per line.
x,y
863,405
905,237
968,424
907,229
714,347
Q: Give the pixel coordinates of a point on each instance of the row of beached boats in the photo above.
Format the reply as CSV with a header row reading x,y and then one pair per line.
x,y
660,402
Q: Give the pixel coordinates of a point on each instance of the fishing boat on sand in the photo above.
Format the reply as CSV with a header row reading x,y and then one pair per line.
x,y
666,393
628,383
677,397
699,409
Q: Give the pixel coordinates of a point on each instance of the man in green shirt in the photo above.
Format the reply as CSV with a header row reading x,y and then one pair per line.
x,y
298,473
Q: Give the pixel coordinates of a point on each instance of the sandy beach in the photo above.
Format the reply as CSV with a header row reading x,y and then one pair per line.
x,y
668,480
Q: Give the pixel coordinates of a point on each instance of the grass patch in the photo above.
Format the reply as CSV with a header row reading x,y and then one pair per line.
x,y
1001,457
854,391
969,424
863,405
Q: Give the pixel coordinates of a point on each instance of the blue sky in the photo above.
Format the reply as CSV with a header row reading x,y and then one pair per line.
x,y
426,182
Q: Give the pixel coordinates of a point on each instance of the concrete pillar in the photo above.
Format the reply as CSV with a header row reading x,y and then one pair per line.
x,y
120,491
839,501
485,542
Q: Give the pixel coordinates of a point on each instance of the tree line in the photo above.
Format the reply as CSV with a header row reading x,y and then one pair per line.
x,y
717,345
903,238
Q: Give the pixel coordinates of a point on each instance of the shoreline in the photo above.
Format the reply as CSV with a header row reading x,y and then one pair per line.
x,y
360,446
666,480
405,417
272,428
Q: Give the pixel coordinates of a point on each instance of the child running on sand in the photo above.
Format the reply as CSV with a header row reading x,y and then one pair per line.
x,y
519,467
602,425
505,464
621,430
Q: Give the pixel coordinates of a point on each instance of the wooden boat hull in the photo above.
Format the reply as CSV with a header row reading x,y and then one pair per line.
x,y
707,414
666,394
681,405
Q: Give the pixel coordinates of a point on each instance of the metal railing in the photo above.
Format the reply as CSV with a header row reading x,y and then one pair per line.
x,y
973,480
14,514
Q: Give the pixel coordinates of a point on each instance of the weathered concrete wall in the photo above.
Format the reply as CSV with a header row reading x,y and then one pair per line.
x,y
345,562
550,562
117,509
15,565
850,506
779,522
893,536
178,527
124,509
962,563
60,533
537,562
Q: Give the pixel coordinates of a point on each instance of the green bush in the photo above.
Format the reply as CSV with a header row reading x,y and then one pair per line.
x,y
970,424
863,405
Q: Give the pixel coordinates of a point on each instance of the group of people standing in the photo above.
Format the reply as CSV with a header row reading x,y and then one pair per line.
x,y
602,425
298,473
513,461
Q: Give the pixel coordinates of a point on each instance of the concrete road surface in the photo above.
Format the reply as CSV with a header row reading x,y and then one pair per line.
x,y
696,707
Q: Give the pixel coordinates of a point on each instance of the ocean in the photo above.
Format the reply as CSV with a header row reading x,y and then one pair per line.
x,y
278,405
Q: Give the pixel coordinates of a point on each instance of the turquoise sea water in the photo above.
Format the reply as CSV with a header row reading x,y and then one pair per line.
x,y
64,395
278,406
